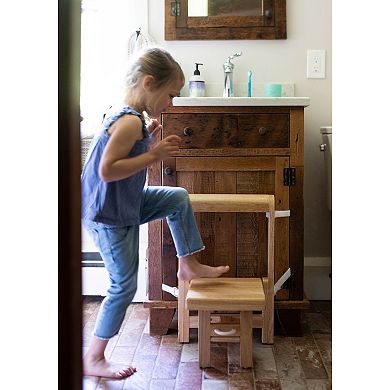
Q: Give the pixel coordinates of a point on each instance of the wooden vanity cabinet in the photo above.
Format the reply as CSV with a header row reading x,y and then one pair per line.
x,y
233,150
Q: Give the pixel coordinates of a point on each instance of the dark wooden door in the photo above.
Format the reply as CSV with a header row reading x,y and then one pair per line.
x,y
69,199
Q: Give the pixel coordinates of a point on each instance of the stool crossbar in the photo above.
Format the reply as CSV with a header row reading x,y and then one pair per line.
x,y
230,295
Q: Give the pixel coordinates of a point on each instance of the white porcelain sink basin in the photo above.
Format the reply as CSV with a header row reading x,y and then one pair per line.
x,y
241,101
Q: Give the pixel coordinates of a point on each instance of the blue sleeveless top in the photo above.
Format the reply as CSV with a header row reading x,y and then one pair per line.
x,y
115,203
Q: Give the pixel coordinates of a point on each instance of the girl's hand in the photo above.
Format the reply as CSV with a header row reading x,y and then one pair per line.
x,y
153,127
167,147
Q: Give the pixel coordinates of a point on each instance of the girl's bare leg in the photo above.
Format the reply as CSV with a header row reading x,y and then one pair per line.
x,y
95,363
190,268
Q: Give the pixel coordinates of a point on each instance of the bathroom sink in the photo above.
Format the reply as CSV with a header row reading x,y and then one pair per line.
x,y
241,101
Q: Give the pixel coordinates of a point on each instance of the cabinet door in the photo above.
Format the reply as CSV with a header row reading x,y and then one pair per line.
x,y
236,239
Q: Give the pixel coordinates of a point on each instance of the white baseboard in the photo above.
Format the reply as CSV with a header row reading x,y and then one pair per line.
x,y
317,280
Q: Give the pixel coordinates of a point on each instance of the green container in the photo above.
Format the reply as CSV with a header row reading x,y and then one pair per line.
x,y
272,90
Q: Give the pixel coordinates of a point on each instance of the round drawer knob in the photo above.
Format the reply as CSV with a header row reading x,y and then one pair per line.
x,y
263,130
168,171
268,13
188,131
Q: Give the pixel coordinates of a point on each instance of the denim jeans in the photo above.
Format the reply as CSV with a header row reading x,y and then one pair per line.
x,y
119,246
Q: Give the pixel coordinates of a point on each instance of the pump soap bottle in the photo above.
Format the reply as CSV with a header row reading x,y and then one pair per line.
x,y
197,84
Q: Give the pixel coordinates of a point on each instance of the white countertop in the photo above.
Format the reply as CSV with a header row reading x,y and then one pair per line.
x,y
241,101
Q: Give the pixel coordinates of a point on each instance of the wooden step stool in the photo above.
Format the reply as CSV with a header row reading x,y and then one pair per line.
x,y
243,295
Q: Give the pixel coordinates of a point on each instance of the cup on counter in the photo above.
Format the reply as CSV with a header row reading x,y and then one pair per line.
x,y
272,90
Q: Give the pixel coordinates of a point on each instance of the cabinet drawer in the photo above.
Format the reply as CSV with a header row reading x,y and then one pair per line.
x,y
213,131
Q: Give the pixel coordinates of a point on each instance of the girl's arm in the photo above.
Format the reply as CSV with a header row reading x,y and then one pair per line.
x,y
115,163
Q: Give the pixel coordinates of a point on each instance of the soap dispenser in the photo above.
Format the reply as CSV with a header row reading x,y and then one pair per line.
x,y
197,84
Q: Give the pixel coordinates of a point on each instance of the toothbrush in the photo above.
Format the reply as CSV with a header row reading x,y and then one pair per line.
x,y
250,83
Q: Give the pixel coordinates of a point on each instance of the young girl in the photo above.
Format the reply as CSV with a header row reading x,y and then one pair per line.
x,y
115,200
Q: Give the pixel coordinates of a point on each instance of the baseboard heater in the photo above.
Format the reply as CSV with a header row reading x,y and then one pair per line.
x,y
91,259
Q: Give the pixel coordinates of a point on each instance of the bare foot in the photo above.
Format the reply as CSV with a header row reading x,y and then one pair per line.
x,y
189,268
105,369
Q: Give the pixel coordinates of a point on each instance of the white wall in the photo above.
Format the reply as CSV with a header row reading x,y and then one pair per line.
x,y
308,27
105,31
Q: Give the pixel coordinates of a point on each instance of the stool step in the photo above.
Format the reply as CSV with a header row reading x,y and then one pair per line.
x,y
242,294
230,319
232,203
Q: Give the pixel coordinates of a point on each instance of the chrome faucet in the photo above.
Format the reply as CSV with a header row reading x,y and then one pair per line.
x,y
228,70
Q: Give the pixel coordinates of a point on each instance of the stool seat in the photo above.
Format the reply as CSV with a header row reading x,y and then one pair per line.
x,y
242,294
232,203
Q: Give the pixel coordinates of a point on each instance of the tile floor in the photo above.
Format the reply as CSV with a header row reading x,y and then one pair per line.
x,y
292,363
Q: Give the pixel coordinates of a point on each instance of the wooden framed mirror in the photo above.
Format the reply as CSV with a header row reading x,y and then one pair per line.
x,y
223,19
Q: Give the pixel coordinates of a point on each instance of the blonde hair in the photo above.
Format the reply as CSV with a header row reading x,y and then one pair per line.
x,y
155,62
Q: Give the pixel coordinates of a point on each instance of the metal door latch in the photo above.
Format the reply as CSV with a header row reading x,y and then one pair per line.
x,y
175,8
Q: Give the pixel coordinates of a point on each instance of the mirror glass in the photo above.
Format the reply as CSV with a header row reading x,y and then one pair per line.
x,y
225,8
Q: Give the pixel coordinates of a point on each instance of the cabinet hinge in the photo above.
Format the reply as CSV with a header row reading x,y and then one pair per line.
x,y
175,8
289,176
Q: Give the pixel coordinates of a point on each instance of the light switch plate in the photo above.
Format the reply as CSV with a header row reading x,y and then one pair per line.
x,y
315,64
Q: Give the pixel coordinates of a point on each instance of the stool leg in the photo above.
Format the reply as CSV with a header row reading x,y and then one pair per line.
x,y
267,332
204,335
183,316
246,339
267,335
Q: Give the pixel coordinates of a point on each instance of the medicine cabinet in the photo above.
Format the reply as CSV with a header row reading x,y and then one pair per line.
x,y
223,19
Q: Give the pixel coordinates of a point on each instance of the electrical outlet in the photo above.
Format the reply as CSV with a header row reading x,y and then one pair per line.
x,y
316,64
